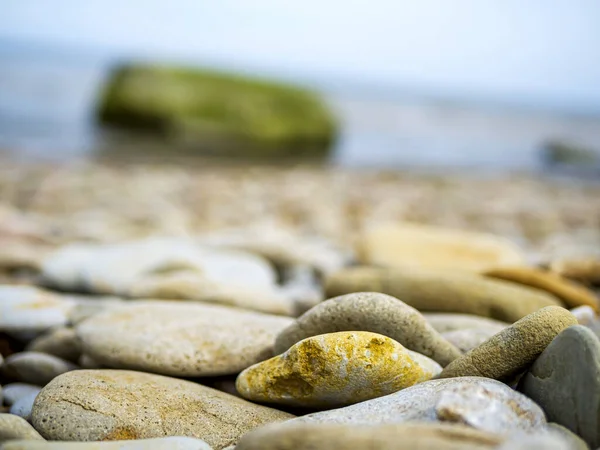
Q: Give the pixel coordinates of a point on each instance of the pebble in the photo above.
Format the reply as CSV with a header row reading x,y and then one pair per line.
x,y
61,342
94,405
34,368
405,244
585,315
370,311
574,441
565,382
13,391
15,427
23,405
444,291
180,338
482,403
165,443
572,294
466,340
422,436
445,322
508,353
332,370
583,269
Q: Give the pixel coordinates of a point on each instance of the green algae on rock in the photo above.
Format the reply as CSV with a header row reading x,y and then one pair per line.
x,y
218,112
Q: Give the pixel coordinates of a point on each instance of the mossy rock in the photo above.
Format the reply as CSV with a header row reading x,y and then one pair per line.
x,y
218,113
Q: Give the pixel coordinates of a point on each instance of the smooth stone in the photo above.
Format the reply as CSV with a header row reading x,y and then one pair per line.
x,y
61,342
401,244
445,322
332,370
546,441
585,315
574,441
585,269
565,382
95,405
370,311
443,291
572,294
410,436
34,368
165,443
482,403
467,340
180,338
92,306
25,309
508,353
87,362
169,269
23,405
14,391
15,427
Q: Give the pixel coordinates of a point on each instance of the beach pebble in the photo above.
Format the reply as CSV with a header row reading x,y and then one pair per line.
x,y
34,368
572,294
443,291
467,339
61,342
482,403
574,441
180,338
13,391
96,405
445,322
401,244
410,436
23,405
15,427
585,315
370,311
165,443
508,353
565,382
334,369
585,269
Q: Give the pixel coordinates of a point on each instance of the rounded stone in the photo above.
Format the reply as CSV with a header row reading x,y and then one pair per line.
x,y
104,405
34,368
443,291
61,342
399,245
445,322
334,369
572,294
565,381
585,269
466,340
15,427
13,391
422,436
482,403
168,443
370,311
179,338
23,405
510,352
585,315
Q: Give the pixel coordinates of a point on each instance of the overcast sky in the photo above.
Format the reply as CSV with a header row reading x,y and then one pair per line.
x,y
535,48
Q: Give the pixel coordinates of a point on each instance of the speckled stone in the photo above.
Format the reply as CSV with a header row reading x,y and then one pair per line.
x,y
515,348
334,369
370,311
482,403
444,291
179,338
61,342
565,381
168,443
15,427
93,405
34,368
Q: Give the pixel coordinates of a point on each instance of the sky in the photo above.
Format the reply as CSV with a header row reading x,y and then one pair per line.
x,y
535,49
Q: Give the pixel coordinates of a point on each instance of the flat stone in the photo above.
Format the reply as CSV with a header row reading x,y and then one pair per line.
x,y
333,369
15,427
514,349
61,342
422,436
492,407
23,405
34,368
13,391
402,244
565,381
370,311
180,338
445,322
466,340
25,309
168,443
572,294
443,291
97,405
170,269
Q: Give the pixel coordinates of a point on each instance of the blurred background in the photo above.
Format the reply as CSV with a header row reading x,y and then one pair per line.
x,y
467,83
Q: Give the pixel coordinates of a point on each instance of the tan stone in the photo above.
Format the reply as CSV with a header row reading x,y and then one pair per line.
x,y
511,351
334,369
101,405
168,443
572,294
15,427
444,291
61,342
583,269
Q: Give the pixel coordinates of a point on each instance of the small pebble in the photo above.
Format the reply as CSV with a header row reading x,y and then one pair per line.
x,y
15,427
35,368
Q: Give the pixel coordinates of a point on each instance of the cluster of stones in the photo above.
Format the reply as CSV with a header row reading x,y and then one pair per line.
x,y
426,338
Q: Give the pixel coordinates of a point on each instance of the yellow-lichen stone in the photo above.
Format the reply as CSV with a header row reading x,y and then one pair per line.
x,y
335,369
